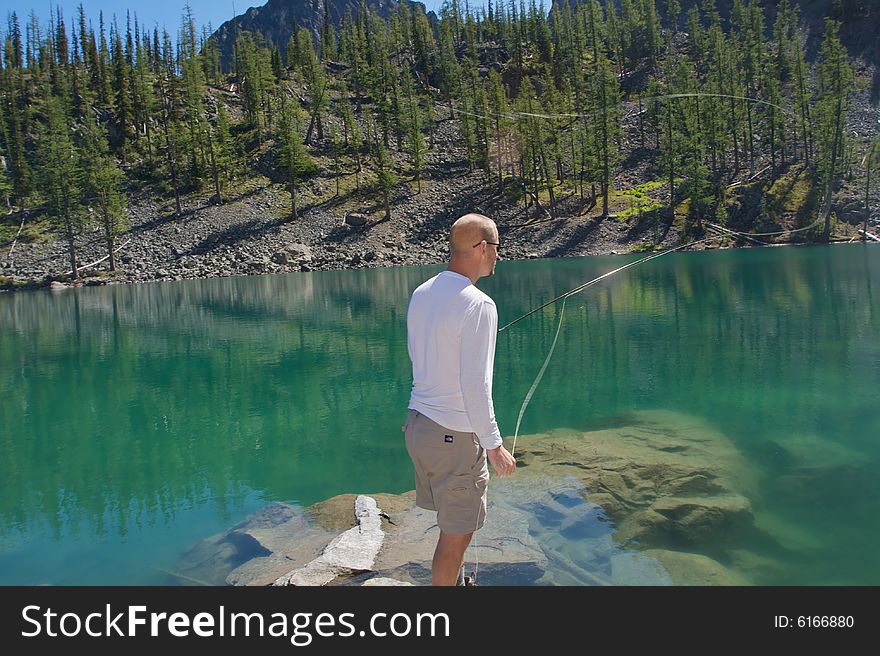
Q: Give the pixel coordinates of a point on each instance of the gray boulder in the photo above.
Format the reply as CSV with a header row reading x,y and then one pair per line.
x,y
355,219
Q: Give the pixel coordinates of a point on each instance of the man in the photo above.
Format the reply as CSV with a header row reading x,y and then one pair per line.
x,y
450,426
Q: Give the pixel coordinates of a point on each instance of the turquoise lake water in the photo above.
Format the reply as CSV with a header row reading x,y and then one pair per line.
x,y
136,420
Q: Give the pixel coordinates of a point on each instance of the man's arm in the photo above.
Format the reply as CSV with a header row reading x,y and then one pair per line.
x,y
477,357
475,376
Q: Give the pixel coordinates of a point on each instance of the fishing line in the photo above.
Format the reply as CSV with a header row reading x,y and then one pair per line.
x,y
564,296
516,115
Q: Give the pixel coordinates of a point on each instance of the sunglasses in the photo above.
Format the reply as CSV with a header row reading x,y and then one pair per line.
x,y
495,244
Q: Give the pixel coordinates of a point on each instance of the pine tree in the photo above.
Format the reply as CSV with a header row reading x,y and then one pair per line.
x,y
61,175
415,138
15,58
351,136
317,85
5,186
608,100
6,189
253,70
19,167
502,124
385,176
294,156
194,93
650,30
221,152
696,35
277,65
169,127
802,94
337,148
328,36
673,13
122,97
103,183
835,86
145,103
211,59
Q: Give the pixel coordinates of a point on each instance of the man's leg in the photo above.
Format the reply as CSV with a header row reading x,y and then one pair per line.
x,y
449,558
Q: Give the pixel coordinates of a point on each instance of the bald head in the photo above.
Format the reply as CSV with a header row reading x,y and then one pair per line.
x,y
468,230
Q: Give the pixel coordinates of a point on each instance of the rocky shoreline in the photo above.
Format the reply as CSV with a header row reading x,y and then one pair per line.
x,y
252,232
246,237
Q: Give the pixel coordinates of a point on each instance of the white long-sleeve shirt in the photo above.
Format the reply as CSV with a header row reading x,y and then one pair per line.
x,y
451,328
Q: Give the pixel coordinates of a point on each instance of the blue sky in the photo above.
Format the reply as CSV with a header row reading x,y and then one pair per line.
x,y
162,12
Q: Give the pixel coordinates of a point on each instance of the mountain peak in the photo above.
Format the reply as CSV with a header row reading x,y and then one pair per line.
x,y
275,19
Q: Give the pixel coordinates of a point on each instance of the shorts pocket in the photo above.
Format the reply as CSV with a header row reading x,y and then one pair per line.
x,y
463,509
467,487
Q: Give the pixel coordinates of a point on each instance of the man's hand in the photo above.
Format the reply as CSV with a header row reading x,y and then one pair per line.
x,y
501,460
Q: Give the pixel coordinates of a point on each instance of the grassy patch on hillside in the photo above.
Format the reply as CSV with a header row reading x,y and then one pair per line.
x,y
789,194
35,229
635,201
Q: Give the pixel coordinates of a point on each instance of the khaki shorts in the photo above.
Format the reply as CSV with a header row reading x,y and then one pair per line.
x,y
451,473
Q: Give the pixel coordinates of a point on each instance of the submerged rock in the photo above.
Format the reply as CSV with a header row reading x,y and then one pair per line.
x,y
663,477
696,569
816,469
699,519
255,551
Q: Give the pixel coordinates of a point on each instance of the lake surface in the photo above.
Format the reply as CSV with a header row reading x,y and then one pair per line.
x,y
136,420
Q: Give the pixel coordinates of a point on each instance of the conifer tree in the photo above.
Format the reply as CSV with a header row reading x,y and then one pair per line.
x,y
294,156
328,36
835,86
146,105
802,94
502,124
385,176
19,167
608,100
352,137
103,184
317,85
122,97
211,60
169,127
254,72
673,13
61,175
337,148
415,138
221,151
